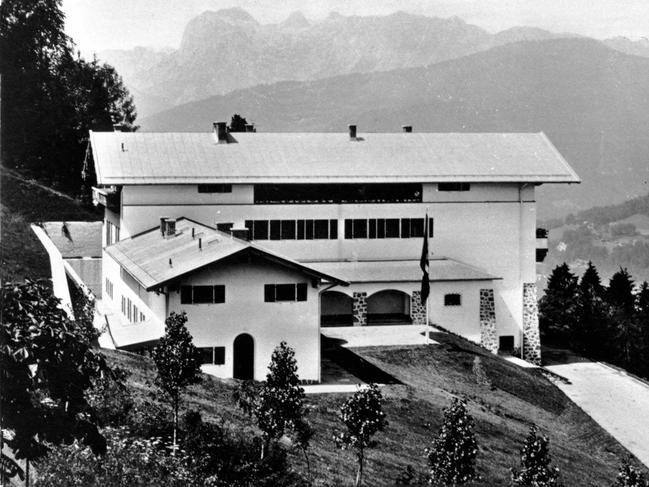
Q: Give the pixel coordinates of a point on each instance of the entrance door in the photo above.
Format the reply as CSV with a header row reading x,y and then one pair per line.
x,y
244,357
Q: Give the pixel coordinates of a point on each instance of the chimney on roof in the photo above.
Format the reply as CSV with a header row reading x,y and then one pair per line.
x,y
407,128
118,127
221,132
352,132
167,227
250,127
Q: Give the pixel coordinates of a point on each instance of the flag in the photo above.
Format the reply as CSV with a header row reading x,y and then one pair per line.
x,y
424,264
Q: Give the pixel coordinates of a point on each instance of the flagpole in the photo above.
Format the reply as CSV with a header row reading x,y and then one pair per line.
x,y
426,325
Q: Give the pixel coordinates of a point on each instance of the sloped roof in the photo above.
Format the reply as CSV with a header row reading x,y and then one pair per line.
x,y
75,239
190,158
440,269
147,256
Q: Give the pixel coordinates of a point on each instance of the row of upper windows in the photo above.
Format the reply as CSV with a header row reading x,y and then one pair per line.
x,y
328,229
130,310
216,294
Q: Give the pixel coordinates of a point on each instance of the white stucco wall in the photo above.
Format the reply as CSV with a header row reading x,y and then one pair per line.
x,y
244,311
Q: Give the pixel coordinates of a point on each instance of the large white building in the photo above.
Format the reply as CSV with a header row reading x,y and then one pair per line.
x,y
263,237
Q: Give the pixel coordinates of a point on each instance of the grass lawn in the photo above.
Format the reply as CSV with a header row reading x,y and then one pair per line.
x,y
23,202
429,377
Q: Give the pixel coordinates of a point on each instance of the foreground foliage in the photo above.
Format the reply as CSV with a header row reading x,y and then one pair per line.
x,y
535,463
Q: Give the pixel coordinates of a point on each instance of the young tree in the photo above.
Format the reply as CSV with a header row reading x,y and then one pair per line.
x,y
178,363
451,457
47,364
558,307
535,463
363,417
278,404
629,476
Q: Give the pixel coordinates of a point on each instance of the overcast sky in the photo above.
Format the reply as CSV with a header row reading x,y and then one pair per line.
x,y
121,24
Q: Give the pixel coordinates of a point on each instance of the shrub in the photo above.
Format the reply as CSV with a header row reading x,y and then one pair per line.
x,y
535,462
629,476
451,457
363,417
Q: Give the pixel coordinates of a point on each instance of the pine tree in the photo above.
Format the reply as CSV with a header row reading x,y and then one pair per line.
x,y
535,462
592,321
641,319
452,455
621,303
178,363
558,307
363,417
278,404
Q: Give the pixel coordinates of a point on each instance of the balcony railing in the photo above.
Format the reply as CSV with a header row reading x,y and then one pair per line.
x,y
108,198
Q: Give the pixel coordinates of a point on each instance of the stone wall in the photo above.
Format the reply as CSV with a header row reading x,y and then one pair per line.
x,y
359,309
531,336
488,334
417,309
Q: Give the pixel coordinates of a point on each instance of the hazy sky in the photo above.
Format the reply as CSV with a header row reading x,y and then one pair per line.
x,y
120,24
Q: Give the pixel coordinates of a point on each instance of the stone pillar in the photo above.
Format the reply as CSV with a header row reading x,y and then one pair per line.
x,y
417,309
531,336
359,309
488,335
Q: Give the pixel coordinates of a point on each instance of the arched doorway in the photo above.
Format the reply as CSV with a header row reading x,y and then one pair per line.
x,y
336,309
243,356
389,307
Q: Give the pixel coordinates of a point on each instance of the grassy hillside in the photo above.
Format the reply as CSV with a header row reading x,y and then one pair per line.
x,y
23,202
430,376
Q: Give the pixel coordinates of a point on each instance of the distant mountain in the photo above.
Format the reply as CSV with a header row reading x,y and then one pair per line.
x,y
228,49
639,47
592,101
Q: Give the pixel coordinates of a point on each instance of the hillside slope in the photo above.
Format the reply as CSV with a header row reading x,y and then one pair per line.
x,y
431,376
590,100
23,202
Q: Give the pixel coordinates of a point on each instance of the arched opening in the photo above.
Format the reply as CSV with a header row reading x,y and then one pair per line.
x,y
336,309
389,307
243,356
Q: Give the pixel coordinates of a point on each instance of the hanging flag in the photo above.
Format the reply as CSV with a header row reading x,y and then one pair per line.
x,y
424,264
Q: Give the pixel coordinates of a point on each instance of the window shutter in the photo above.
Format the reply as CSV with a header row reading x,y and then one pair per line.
x,y
269,293
302,289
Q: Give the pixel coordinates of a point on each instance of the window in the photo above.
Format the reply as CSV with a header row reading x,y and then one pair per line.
x,y
112,233
337,193
454,187
212,355
292,229
452,300
142,316
136,314
387,228
506,343
288,230
275,230
260,230
202,294
333,229
123,305
321,229
285,292
109,288
215,188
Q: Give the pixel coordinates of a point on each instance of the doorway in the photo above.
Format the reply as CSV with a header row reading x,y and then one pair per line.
x,y
244,357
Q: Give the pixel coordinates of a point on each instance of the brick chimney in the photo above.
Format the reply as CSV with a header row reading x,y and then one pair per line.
x,y
352,132
407,128
221,132
167,227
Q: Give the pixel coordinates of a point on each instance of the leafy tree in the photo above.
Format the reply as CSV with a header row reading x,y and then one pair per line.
x,y
451,457
48,365
363,417
621,302
52,98
558,307
278,404
629,476
535,463
238,123
178,363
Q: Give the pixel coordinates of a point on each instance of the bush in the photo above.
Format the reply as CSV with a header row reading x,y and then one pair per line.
x,y
535,462
452,455
629,476
127,461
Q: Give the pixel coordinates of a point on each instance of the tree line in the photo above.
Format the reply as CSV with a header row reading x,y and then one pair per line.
x,y
609,323
52,96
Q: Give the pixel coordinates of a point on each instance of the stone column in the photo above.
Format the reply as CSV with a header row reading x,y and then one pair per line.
x,y
417,309
359,309
488,334
531,336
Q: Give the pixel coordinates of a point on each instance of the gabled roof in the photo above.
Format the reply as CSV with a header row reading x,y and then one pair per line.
x,y
440,269
75,239
154,261
191,158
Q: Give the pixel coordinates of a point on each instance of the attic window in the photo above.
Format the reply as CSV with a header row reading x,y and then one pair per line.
x,y
454,187
215,188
